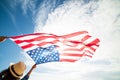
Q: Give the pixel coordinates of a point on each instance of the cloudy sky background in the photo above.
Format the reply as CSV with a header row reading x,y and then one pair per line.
x,y
101,18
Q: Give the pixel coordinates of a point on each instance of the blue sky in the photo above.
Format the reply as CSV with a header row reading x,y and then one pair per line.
x,y
101,18
13,22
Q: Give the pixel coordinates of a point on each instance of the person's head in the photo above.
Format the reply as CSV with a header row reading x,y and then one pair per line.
x,y
15,71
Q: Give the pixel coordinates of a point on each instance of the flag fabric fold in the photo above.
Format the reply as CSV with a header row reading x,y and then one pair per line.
x,y
44,47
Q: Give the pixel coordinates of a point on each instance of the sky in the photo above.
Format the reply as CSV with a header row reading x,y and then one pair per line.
x,y
101,18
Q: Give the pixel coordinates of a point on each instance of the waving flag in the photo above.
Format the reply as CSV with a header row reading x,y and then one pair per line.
x,y
44,47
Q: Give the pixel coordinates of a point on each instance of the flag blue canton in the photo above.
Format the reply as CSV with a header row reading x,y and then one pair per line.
x,y
43,55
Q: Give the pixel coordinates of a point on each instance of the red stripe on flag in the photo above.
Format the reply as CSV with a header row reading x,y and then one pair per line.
x,y
16,37
70,54
85,38
27,46
67,60
35,39
74,34
94,42
72,49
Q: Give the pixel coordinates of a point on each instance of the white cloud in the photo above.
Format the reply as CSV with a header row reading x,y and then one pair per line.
x,y
42,13
71,16
28,5
101,19
77,71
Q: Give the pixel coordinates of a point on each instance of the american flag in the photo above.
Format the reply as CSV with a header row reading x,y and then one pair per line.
x,y
44,47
